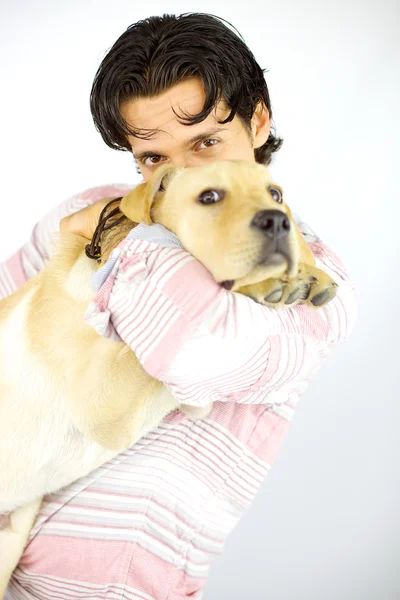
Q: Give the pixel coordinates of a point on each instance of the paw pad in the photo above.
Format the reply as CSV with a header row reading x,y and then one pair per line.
x,y
275,296
293,296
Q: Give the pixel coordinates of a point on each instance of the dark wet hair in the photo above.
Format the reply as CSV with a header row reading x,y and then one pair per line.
x,y
158,52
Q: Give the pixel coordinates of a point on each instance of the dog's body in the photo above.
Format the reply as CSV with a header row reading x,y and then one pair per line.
x,y
45,450
59,416
45,363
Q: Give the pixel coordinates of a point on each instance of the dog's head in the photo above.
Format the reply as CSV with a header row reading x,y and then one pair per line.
x,y
229,214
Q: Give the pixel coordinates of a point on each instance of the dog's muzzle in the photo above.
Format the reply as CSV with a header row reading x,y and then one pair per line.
x,y
275,226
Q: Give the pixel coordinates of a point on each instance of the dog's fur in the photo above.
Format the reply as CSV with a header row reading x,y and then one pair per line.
x,y
70,399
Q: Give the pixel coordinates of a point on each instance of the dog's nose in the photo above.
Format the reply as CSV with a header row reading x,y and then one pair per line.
x,y
273,223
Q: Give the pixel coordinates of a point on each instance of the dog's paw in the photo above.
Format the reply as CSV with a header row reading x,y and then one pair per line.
x,y
311,286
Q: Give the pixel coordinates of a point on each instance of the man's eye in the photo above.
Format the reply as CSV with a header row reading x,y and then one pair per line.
x,y
209,143
152,160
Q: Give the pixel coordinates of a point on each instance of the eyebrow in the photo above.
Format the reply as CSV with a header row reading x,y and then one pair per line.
x,y
191,142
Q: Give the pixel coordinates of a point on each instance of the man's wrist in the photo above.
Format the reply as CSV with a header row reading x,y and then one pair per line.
x,y
84,221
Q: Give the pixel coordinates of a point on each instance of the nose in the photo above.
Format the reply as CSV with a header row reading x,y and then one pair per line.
x,y
183,161
273,223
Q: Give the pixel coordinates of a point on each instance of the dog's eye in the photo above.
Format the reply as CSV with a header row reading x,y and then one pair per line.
x,y
276,194
211,196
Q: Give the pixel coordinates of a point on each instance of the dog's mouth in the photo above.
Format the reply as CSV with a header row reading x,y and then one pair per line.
x,y
278,256
275,255
227,284
275,259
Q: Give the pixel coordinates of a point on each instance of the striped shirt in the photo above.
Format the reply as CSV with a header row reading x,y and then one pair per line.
x,y
147,524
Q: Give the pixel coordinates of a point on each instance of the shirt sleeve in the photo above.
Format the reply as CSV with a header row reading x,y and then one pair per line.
x,y
209,344
33,256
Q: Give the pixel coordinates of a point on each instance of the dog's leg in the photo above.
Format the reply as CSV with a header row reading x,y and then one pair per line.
x,y
13,540
311,286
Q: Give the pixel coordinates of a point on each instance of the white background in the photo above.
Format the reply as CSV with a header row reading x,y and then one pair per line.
x,y
325,524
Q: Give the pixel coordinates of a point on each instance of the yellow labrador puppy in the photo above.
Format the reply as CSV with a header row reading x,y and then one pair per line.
x,y
59,417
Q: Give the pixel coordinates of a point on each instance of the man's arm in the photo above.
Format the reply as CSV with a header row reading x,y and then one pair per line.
x,y
204,342
33,256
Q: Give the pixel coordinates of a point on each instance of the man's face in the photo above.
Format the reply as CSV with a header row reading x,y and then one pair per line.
x,y
188,146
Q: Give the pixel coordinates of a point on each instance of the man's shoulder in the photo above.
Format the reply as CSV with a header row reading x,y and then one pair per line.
x,y
107,190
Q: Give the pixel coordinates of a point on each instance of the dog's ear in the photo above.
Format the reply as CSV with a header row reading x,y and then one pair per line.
x,y
137,204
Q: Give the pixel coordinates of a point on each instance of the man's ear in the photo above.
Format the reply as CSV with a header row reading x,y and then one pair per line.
x,y
136,205
260,125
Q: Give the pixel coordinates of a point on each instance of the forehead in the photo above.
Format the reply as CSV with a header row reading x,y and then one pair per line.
x,y
158,113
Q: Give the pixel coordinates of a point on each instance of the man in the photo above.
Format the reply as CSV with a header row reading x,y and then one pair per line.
x,y
185,91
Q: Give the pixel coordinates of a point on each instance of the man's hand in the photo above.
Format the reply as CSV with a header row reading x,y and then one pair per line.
x,y
84,221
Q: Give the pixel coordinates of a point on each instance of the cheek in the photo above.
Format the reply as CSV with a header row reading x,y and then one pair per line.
x,y
145,172
239,148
